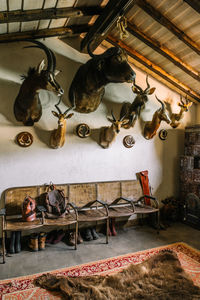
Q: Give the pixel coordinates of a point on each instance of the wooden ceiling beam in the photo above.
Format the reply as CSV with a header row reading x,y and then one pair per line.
x,y
195,4
156,69
157,16
105,22
133,30
44,33
48,14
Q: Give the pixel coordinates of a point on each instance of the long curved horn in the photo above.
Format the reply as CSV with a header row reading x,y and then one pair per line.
x,y
56,105
113,116
148,85
47,52
53,60
137,86
73,107
163,106
89,51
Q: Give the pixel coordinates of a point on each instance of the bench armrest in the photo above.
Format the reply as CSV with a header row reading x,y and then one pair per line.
x,y
41,208
2,212
149,197
121,198
89,204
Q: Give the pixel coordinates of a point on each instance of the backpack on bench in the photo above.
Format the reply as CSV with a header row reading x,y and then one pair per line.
x,y
55,203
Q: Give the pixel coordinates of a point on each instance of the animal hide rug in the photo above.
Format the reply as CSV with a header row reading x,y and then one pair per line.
x,y
159,278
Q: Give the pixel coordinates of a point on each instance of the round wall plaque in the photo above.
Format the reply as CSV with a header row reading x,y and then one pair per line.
x,y
163,134
128,141
24,139
83,130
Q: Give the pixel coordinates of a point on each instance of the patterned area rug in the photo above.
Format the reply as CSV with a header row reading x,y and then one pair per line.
x,y
23,287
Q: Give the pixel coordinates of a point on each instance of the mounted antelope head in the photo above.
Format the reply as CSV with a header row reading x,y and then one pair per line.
x,y
27,106
57,138
108,134
151,127
132,111
177,117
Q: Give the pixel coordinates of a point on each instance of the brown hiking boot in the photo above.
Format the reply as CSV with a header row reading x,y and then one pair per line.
x,y
41,240
33,242
79,239
71,239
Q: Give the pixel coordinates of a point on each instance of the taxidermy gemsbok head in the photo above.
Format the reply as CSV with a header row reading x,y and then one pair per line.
x,y
27,106
57,138
108,134
132,110
151,127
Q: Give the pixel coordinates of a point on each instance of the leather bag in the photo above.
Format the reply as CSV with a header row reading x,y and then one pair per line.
x,y
55,202
28,209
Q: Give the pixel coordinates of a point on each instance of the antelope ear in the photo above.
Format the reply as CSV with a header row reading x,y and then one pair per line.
x,y
69,116
110,120
40,67
56,72
135,90
190,104
151,91
125,121
55,113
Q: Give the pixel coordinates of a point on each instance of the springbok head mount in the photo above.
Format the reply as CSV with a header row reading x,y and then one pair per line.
x,y
62,116
47,76
117,124
185,105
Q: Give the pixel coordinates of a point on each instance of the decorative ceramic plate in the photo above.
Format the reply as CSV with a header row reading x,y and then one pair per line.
x,y
128,141
24,139
83,130
163,134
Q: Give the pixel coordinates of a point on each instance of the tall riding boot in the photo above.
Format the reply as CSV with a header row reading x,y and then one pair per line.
x,y
12,243
18,241
113,230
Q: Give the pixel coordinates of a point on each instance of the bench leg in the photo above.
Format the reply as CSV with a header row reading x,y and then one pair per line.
x,y
158,222
3,247
76,236
107,230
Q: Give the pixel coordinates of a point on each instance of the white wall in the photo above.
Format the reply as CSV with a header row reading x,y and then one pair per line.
x,y
82,160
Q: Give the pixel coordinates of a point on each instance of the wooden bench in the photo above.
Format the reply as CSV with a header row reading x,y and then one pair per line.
x,y
89,202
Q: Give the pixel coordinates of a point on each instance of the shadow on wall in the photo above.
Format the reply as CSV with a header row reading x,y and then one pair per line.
x,y
8,92
172,149
43,135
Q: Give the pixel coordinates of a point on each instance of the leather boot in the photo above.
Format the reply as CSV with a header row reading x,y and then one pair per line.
x,y
41,240
112,227
79,239
71,239
18,241
12,243
33,242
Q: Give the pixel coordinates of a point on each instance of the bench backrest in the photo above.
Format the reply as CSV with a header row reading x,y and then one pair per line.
x,y
79,193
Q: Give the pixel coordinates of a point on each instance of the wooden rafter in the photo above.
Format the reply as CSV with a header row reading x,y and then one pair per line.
x,y
133,30
157,16
195,4
44,33
48,14
105,22
156,69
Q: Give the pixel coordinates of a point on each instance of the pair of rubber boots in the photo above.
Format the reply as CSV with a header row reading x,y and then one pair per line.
x,y
90,234
15,242
37,241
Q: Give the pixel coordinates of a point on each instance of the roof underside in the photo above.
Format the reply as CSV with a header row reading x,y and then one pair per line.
x,y
163,36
